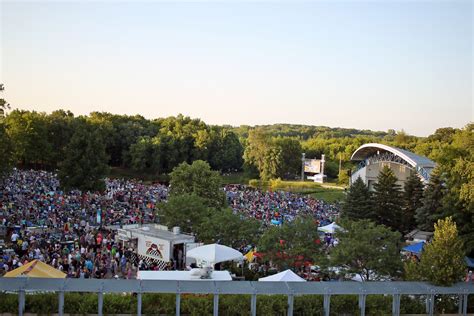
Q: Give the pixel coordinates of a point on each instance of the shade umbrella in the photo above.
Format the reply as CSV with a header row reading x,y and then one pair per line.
x,y
284,276
214,253
331,228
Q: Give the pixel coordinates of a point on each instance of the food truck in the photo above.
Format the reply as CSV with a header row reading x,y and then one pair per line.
x,y
155,243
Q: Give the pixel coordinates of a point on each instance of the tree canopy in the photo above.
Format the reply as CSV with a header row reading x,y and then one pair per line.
x,y
442,260
198,179
367,249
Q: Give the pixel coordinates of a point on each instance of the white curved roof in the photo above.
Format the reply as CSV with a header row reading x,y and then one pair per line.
x,y
413,159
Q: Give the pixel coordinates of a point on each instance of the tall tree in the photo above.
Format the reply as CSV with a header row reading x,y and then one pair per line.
x,y
442,260
413,195
387,199
185,210
85,163
263,154
291,150
5,151
432,202
5,142
367,249
358,203
200,180
28,131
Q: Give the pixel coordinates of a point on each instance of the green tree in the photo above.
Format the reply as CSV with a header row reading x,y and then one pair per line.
x,y
290,151
442,260
387,199
5,151
457,164
85,163
358,202
413,195
59,130
367,249
199,179
227,228
28,131
186,211
263,154
432,202
296,241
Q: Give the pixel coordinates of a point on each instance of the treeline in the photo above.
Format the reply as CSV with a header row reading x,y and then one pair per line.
x,y
155,147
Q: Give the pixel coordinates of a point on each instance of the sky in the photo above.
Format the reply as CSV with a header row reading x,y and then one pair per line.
x,y
371,65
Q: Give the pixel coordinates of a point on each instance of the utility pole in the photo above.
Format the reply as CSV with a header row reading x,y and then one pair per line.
x,y
340,162
302,167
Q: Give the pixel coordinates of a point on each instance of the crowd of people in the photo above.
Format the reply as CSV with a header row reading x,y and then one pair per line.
x,y
71,230
276,207
75,232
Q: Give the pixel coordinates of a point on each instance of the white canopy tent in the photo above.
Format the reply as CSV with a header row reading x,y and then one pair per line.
x,y
331,228
284,276
215,253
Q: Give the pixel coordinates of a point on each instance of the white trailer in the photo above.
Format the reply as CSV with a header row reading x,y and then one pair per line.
x,y
155,243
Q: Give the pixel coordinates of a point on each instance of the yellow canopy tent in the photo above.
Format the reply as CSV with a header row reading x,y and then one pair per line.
x,y
35,269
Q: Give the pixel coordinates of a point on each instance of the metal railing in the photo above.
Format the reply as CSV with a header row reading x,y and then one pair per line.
x,y
216,288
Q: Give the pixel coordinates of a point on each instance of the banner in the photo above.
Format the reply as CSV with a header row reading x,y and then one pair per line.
x,y
312,165
154,248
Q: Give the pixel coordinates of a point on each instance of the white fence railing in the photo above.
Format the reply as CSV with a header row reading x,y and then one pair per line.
x,y
216,288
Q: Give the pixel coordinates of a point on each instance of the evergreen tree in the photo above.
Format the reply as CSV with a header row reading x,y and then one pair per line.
x,y
413,195
358,202
432,203
388,199
85,164
442,260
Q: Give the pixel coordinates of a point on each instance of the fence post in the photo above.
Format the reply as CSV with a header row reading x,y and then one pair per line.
x,y
61,303
362,299
139,304
291,299
253,305
178,304
21,302
396,305
100,296
430,304
464,305
327,304
216,304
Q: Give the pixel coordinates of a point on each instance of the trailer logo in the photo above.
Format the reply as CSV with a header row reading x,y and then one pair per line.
x,y
154,250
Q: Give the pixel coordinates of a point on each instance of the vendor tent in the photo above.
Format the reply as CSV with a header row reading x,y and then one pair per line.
x,y
414,248
284,276
214,253
36,269
331,228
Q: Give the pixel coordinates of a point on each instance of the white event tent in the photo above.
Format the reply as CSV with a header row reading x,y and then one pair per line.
x,y
331,228
284,276
214,253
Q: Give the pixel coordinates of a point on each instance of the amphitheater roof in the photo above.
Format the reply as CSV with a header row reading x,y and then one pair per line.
x,y
367,150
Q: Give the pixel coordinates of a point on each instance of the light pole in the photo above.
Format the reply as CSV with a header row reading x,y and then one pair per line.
x,y
302,167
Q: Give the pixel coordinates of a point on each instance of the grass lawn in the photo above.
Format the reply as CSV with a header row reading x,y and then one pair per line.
x,y
117,172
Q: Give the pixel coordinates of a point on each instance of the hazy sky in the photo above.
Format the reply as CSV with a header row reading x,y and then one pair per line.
x,y
375,65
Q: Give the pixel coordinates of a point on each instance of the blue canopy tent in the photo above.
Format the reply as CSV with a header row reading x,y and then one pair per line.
x,y
414,248
469,262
